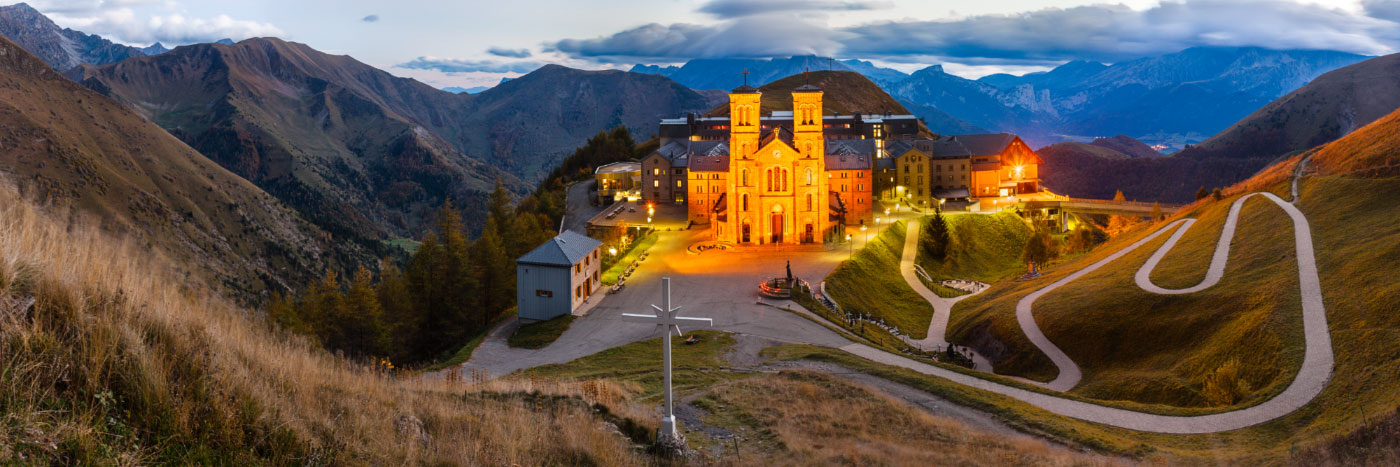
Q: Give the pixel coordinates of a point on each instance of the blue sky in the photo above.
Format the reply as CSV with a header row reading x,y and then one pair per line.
x,y
467,43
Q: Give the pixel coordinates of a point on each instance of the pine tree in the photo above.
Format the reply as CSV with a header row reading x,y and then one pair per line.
x,y
400,317
1216,194
1201,193
494,273
936,238
499,208
282,312
322,307
365,332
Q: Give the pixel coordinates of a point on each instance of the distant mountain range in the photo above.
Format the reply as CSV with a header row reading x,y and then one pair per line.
x,y
1173,99
1330,107
70,147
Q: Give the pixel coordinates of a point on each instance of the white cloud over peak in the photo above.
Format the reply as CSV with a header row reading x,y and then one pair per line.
x,y
1105,32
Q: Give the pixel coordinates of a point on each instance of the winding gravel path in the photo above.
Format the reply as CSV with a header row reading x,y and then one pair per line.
x,y
942,307
1312,377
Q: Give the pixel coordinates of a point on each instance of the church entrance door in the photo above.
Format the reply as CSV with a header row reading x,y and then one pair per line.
x,y
807,236
777,227
744,238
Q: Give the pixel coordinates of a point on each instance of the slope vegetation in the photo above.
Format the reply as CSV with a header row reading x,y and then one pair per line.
x,y
72,147
110,358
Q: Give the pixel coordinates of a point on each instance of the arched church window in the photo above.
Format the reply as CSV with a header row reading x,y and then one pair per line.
x,y
744,202
745,176
809,202
809,177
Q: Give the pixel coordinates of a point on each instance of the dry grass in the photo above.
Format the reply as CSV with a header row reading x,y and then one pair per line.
x,y
810,418
117,361
1367,152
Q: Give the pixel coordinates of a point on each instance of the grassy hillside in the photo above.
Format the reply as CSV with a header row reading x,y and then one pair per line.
x,y
1369,152
870,283
985,248
1162,351
72,147
1251,317
120,360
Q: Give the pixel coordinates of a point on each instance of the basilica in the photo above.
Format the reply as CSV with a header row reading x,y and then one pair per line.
x,y
802,176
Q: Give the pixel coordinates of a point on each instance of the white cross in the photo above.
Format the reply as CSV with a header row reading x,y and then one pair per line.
x,y
666,319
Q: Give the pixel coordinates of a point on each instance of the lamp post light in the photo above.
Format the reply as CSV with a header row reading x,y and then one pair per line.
x,y
852,246
867,236
612,251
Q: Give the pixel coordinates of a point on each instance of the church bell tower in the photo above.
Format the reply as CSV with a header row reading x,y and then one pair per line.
x,y
744,125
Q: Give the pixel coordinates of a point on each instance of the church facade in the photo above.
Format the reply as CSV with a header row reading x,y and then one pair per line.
x,y
802,176
783,178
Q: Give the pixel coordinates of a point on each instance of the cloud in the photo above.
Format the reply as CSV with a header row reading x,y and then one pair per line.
x,y
370,18
744,37
727,9
1103,32
509,53
452,65
1382,9
124,25
1116,32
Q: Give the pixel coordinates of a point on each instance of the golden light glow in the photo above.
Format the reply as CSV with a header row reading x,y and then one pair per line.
x,y
1019,170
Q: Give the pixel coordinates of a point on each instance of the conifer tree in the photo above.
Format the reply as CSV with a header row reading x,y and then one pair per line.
x,y
936,238
1201,192
494,273
401,319
364,330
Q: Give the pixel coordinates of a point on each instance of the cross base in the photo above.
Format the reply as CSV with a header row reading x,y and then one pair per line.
x,y
668,440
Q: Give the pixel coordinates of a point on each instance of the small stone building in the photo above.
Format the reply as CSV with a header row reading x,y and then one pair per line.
x,y
558,277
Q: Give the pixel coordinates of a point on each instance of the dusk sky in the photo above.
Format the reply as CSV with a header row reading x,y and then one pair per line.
x,y
459,43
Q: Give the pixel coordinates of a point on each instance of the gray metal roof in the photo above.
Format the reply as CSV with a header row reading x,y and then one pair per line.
x,y
853,154
564,249
972,145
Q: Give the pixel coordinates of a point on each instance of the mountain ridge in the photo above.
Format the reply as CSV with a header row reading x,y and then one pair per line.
x,y
61,48
72,147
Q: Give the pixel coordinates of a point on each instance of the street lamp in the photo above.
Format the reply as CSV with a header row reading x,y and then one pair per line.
x,y
867,236
852,247
612,251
